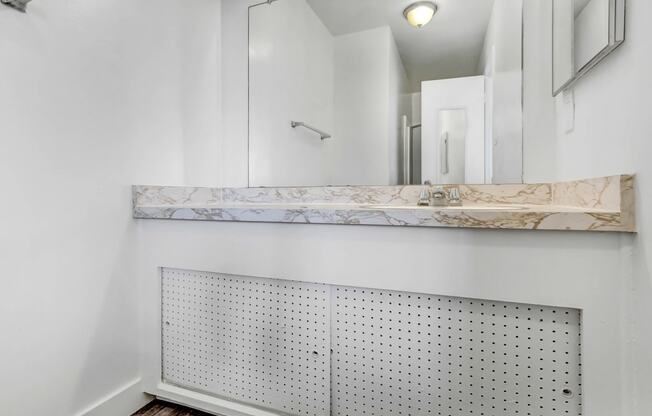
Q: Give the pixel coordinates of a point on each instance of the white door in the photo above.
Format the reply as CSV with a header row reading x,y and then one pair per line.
x,y
452,141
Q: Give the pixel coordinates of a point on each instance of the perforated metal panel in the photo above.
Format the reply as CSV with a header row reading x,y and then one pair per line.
x,y
266,342
398,353
259,341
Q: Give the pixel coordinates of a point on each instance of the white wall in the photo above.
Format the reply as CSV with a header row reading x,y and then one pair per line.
x,y
370,96
291,79
352,86
234,147
360,143
201,108
539,154
95,97
574,269
504,35
591,31
612,135
234,152
562,35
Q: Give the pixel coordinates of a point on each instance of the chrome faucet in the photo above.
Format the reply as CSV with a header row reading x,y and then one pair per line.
x,y
439,197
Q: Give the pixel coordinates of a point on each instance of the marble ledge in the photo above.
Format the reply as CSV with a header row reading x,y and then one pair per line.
x,y
601,204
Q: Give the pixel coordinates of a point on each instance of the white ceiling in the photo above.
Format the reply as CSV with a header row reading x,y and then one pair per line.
x,y
448,47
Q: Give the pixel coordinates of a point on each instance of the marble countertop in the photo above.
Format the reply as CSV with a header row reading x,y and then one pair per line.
x,y
601,204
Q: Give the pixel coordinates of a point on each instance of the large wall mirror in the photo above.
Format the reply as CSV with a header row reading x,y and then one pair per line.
x,y
385,92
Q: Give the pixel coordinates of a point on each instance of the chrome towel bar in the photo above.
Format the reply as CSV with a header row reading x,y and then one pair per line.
x,y
321,133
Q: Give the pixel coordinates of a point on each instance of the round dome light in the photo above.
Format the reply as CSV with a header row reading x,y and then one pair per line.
x,y
420,13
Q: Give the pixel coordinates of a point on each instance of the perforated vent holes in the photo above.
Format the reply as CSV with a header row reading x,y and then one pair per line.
x,y
399,353
267,342
259,341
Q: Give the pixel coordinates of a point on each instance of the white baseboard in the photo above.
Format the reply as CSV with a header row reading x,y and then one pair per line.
x,y
209,404
122,402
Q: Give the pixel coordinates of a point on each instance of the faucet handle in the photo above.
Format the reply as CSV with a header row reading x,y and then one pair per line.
x,y
424,197
454,196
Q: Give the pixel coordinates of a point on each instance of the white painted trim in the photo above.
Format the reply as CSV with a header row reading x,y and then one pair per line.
x,y
123,402
207,403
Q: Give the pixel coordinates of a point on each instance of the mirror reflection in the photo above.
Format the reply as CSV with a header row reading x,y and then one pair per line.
x,y
385,92
452,133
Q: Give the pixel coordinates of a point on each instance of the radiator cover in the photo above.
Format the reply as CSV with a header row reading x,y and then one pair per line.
x,y
315,350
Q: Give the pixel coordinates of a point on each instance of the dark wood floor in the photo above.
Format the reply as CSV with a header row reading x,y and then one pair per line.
x,y
159,408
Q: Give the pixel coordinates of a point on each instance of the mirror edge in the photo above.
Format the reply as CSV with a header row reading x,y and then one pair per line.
x,y
617,22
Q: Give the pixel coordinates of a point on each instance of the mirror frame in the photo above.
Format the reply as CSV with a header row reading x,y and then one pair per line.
x,y
617,22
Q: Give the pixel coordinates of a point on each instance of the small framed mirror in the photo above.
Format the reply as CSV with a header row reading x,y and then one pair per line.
x,y
584,33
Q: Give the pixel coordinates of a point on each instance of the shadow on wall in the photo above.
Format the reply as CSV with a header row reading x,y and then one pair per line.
x,y
112,349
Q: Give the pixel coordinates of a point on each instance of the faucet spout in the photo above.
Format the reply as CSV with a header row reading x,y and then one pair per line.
x,y
438,197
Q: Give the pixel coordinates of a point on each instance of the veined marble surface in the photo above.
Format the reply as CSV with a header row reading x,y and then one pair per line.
x,y
601,204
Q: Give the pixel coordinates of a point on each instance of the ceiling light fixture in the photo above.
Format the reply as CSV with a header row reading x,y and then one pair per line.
x,y
420,13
